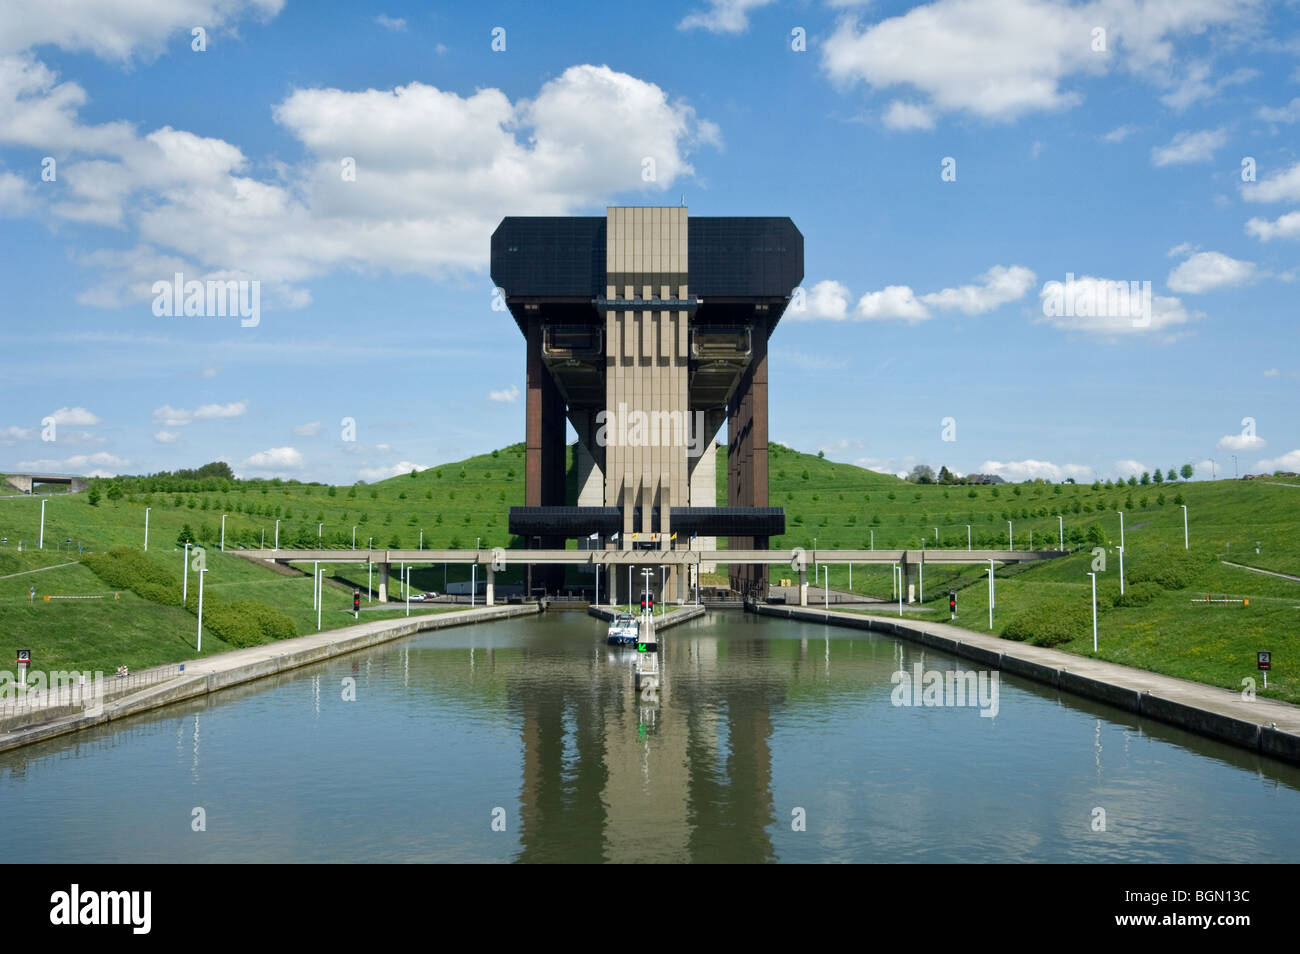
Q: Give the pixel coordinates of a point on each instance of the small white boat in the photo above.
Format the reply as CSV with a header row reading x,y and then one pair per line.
x,y
623,630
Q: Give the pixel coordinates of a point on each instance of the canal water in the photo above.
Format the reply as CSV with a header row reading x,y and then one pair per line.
x,y
525,740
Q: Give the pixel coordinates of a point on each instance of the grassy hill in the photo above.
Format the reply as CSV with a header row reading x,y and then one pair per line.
x,y
837,505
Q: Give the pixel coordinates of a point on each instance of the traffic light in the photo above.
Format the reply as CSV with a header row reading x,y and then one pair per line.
x,y
952,602
356,602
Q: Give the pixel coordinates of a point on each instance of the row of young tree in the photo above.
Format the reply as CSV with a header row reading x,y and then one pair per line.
x,y
924,474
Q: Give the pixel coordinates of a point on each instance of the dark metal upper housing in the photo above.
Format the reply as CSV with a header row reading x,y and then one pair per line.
x,y
706,521
563,257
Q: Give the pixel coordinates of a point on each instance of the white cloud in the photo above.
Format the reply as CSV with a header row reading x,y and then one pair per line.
x,y
1198,83
308,430
1205,271
17,196
371,474
11,434
1001,59
1289,113
1183,248
827,300
78,416
1189,147
211,411
1281,186
1241,442
998,286
211,372
1030,469
1095,312
894,301
166,437
1289,461
1131,468
396,24
168,416
722,16
436,172
1272,373
809,362
901,115
119,30
275,458
506,396
1120,133
76,463
1284,226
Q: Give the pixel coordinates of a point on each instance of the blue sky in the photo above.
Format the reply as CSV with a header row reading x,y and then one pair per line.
x,y
1162,149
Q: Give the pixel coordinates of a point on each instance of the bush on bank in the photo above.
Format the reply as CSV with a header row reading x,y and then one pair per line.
x,y
238,623
1049,624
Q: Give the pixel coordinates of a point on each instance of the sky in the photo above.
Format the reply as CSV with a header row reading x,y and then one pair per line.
x,y
967,175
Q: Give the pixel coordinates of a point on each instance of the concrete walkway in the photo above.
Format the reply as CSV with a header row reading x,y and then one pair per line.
x,y
1255,569
1264,725
224,670
680,615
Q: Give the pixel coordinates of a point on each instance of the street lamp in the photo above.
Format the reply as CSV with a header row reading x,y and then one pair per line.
x,y
1185,545
320,595
816,565
1011,539
185,573
1061,521
354,539
199,641
320,528
968,538
41,544
146,528
826,590
936,536
421,539
992,594
873,540
473,579
408,591
1121,570
223,533
1094,611
1121,527
277,533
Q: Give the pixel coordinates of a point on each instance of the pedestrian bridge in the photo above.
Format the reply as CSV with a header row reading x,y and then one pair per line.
x,y
797,559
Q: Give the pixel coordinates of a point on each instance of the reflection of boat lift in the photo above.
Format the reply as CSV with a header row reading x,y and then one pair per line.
x,y
646,672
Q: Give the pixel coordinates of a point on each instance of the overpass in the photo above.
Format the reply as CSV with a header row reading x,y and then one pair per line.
x,y
498,558
24,482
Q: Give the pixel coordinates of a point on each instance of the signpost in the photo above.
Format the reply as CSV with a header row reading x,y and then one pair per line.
x,y
952,604
24,661
1264,659
356,604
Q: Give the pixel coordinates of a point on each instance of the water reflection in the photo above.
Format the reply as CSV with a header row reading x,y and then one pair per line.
x,y
753,722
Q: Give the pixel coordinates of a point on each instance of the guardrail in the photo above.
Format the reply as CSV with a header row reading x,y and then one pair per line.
x,y
70,691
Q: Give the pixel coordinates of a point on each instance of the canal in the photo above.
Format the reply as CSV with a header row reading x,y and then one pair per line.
x,y
525,740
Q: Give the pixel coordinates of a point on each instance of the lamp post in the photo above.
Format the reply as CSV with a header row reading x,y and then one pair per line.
x,y
473,580
320,596
185,573
277,533
1011,539
1061,522
826,590
1094,611
873,540
354,539
968,538
370,574
1121,528
41,544
320,529
898,585
146,528
315,571
223,533
421,539
647,573
1185,543
408,591
816,566
992,594
936,536
663,590
198,648
1121,570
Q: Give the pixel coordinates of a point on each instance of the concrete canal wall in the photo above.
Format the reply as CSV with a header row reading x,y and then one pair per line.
x,y
1266,726
667,621
224,670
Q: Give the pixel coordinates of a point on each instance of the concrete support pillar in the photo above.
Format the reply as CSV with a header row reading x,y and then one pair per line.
x,y
909,571
803,586
383,582
490,600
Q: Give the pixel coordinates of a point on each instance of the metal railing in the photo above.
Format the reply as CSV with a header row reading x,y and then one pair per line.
x,y
68,690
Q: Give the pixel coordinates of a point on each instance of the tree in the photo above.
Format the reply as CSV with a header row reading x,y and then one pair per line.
x,y
945,475
1171,476
93,497
1158,477
115,490
1187,470
185,536
1096,535
921,474
1146,477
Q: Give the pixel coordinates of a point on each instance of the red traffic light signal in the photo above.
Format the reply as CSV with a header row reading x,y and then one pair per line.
x,y
356,600
952,600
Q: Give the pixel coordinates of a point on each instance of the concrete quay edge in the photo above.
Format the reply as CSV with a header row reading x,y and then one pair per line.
x,y
214,673
1266,726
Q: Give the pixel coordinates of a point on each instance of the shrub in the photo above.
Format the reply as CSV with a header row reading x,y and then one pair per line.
x,y
1170,569
1138,594
272,623
1050,624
